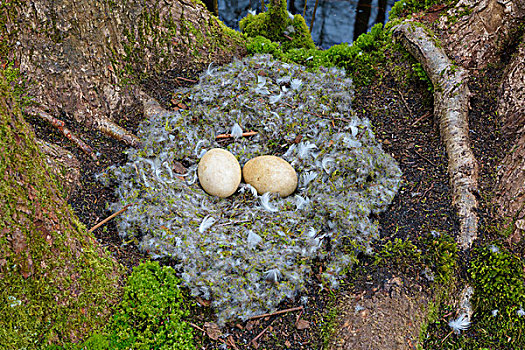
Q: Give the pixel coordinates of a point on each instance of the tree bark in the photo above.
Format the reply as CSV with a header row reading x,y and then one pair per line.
x,y
474,32
86,58
510,189
56,283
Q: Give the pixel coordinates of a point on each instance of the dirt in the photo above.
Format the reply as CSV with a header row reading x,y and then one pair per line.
x,y
393,303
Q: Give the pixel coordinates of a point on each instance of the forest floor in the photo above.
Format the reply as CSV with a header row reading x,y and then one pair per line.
x,y
377,306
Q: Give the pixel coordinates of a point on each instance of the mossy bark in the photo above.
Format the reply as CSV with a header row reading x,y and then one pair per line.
x,y
510,189
475,32
87,59
56,283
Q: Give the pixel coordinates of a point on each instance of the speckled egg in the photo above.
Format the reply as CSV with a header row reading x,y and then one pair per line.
x,y
270,174
219,173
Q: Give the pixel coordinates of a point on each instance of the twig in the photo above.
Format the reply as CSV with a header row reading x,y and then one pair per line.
x,y
313,15
425,158
232,342
227,136
427,190
233,223
109,217
405,103
421,118
61,126
197,327
277,312
186,79
448,335
260,334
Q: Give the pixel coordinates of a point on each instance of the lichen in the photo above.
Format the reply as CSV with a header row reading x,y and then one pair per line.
x,y
252,257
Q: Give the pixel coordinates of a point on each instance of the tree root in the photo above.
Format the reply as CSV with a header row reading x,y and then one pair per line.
x,y
451,96
117,132
61,126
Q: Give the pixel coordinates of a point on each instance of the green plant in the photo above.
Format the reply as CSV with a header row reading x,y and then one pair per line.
x,y
401,253
150,315
441,256
406,7
277,26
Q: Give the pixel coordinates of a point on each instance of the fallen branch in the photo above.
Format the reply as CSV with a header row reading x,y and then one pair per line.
x,y
277,312
109,218
61,126
451,96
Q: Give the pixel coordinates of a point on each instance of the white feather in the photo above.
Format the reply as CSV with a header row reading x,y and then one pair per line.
x,y
206,223
296,84
253,239
272,275
276,98
308,177
236,130
265,203
301,202
460,324
325,162
247,187
304,149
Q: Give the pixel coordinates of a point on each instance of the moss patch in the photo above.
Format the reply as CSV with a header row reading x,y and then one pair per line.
x,y
56,283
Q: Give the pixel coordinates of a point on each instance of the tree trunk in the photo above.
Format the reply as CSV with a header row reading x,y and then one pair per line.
x,y
510,189
475,32
56,283
87,60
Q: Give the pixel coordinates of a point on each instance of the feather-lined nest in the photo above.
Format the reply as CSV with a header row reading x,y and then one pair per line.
x,y
247,253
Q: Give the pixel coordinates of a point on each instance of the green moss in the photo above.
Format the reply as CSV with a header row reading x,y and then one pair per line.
x,y
150,315
404,8
276,26
56,284
498,279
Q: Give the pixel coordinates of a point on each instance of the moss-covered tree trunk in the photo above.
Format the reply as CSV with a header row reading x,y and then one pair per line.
x,y
56,283
87,60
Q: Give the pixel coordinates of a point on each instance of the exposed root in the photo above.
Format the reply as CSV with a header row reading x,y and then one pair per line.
x,y
61,126
117,132
451,102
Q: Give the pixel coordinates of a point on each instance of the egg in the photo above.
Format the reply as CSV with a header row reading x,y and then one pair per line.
x,y
270,174
219,173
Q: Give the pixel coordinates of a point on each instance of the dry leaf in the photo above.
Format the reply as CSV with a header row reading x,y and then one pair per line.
x,y
213,330
302,324
287,343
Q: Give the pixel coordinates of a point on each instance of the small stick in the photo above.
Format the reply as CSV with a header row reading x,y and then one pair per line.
x,y
448,335
227,136
404,102
277,312
197,327
109,217
260,334
428,189
232,342
233,223
186,79
425,158
61,126
421,118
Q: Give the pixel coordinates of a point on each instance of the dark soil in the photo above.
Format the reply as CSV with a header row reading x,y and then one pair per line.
x,y
400,108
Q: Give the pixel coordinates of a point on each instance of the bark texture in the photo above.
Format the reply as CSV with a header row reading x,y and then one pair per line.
x,y
451,100
56,283
475,32
84,58
510,189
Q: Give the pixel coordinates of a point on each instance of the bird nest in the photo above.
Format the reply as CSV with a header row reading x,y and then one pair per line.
x,y
247,252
